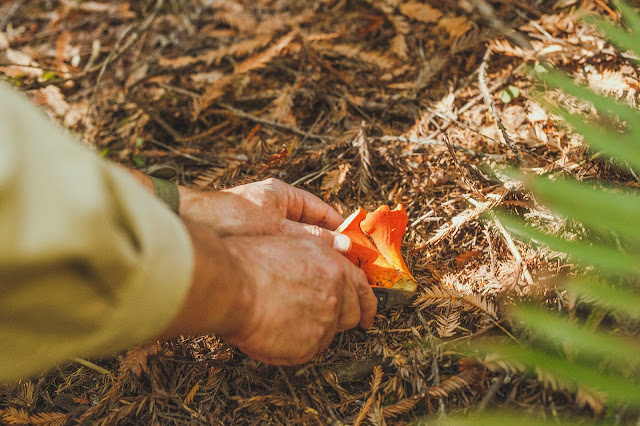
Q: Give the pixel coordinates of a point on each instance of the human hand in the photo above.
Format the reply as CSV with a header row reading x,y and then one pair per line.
x,y
269,207
303,293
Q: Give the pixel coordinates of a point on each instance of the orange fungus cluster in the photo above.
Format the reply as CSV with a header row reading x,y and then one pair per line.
x,y
376,238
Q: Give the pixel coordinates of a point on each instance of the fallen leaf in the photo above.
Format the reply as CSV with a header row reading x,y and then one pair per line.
x,y
52,97
467,257
420,12
455,26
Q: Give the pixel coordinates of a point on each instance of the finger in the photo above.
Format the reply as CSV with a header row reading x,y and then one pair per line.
x,y
327,338
349,310
305,207
366,298
340,242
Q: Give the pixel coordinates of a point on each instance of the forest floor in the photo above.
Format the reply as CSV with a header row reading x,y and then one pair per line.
x,y
362,102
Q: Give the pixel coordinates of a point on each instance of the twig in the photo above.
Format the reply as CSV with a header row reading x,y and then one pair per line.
x,y
118,51
103,68
510,244
239,113
286,380
12,11
436,382
487,12
115,54
208,132
491,393
504,330
179,90
428,141
452,201
514,250
173,132
314,175
482,84
90,365
181,154
492,254
606,7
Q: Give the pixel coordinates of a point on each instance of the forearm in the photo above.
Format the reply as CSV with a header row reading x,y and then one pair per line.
x,y
92,263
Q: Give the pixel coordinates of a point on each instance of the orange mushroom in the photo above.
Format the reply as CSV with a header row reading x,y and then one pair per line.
x,y
375,246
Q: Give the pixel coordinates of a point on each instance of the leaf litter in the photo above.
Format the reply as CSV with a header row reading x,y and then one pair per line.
x,y
362,103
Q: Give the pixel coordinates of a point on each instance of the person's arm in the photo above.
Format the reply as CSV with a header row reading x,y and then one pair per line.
x,y
91,263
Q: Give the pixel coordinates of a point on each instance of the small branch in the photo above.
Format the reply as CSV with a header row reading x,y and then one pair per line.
x,y
90,365
482,84
9,15
491,393
510,243
514,250
436,382
115,54
182,154
428,141
488,13
291,389
239,113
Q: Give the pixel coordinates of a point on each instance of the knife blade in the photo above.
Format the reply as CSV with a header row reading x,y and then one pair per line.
x,y
391,297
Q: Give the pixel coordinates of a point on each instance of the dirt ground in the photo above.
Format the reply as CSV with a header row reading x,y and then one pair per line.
x,y
362,102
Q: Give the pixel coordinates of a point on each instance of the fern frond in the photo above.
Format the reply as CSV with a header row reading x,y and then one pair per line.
x,y
592,399
281,107
451,385
248,47
378,59
191,395
16,416
448,322
399,46
334,179
242,21
365,172
620,301
376,378
595,345
263,58
135,360
401,407
621,148
589,205
475,302
420,12
615,388
604,257
49,419
437,296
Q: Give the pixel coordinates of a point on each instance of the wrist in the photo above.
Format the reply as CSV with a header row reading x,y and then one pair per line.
x,y
220,297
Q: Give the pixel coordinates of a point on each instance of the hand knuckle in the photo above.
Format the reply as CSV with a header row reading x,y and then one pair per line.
x,y
314,230
273,182
338,271
269,181
331,303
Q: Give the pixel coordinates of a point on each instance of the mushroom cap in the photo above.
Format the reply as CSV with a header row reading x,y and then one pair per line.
x,y
377,251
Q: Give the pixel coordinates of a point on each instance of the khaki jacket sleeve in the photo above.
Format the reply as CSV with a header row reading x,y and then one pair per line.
x,y
90,262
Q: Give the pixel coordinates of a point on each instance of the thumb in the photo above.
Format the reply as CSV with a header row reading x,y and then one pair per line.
x,y
338,241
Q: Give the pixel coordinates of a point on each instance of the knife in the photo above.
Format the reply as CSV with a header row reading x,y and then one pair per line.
x,y
388,297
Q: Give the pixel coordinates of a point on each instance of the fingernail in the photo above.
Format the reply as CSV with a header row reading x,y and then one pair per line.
x,y
341,243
